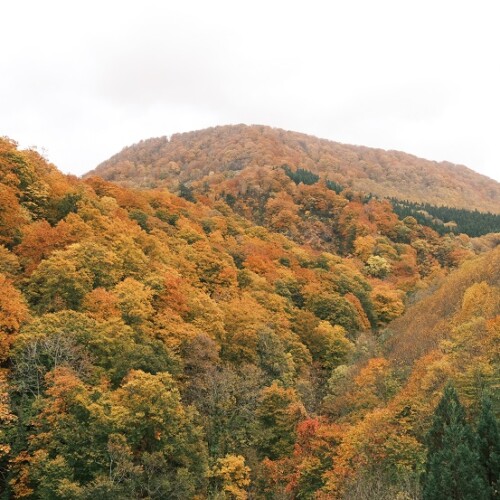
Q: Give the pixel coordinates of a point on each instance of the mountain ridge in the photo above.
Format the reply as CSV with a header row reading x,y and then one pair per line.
x,y
190,157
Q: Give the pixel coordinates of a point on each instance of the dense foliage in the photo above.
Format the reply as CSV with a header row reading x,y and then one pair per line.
x,y
448,220
453,469
246,339
301,175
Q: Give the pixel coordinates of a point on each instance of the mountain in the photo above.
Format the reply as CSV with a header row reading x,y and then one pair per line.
x,y
266,336
223,152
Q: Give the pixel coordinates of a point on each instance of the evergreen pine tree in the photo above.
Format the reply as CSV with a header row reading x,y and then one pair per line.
x,y
489,447
452,470
187,193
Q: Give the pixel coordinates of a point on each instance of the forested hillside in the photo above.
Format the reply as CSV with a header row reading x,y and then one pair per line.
x,y
222,152
449,220
254,337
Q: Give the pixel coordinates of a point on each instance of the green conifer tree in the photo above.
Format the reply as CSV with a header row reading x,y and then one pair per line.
x,y
489,446
453,470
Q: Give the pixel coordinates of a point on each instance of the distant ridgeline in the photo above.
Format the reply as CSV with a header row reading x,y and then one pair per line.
x,y
441,219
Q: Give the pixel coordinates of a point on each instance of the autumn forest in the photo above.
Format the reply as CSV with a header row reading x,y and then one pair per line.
x,y
248,313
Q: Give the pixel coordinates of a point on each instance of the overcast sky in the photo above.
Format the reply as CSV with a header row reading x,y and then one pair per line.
x,y
82,79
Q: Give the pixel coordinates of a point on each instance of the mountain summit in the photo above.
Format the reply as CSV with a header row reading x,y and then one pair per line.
x,y
223,152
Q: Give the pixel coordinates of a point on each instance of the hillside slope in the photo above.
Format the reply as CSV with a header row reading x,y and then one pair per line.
x,y
452,333
156,347
226,150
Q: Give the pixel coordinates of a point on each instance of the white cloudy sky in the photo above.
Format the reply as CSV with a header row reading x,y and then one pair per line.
x,y
82,79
